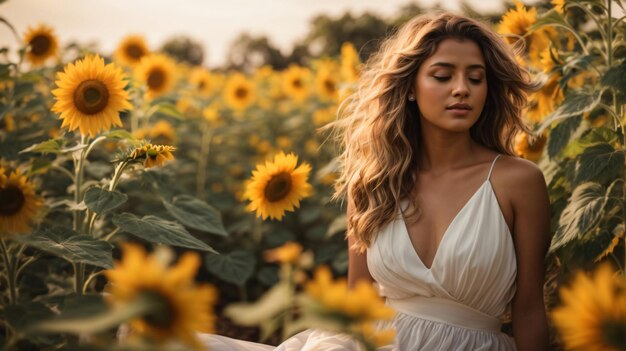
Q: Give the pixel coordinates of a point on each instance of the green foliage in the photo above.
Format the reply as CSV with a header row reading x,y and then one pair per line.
x,y
71,246
235,267
160,231
196,214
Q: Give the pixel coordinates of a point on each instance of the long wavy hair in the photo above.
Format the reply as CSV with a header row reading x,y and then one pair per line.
x,y
379,130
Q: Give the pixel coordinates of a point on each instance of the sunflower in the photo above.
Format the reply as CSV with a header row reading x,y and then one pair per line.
x,y
180,307
559,5
90,96
42,42
290,252
349,63
530,147
155,155
131,49
278,186
201,81
19,203
157,71
296,82
593,314
326,82
515,24
239,92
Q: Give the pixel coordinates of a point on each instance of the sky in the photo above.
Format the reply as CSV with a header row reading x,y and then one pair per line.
x,y
213,23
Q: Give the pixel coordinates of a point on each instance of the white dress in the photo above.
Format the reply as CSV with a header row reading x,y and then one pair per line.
x,y
455,304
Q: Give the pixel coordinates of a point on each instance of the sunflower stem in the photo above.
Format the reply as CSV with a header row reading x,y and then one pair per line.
x,y
205,148
79,277
287,317
78,180
92,276
11,272
257,232
116,176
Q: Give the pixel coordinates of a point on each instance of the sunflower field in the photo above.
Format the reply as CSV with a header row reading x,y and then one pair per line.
x,y
144,200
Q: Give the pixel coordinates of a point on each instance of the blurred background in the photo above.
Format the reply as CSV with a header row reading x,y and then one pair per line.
x,y
280,30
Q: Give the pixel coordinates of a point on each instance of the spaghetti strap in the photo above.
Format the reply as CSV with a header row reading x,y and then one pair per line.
x,y
492,164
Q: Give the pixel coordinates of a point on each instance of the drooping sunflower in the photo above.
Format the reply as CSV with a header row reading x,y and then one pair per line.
x,y
239,92
515,25
131,49
201,81
593,314
278,186
296,82
90,96
326,82
180,307
530,147
42,42
158,72
18,202
153,155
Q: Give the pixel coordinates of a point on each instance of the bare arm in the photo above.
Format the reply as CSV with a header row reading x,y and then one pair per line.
x,y
531,234
357,262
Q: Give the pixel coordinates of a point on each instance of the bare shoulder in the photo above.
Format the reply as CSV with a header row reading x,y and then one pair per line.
x,y
522,185
518,175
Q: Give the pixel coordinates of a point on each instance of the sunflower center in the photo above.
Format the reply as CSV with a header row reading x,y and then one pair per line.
x,y
329,85
297,83
278,187
91,96
156,79
152,153
241,93
12,200
614,333
162,313
40,45
201,85
134,51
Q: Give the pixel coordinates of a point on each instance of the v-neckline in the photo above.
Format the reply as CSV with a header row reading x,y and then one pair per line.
x,y
445,233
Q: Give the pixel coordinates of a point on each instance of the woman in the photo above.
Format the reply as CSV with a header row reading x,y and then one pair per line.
x,y
451,226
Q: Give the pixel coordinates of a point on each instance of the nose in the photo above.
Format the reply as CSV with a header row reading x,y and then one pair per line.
x,y
460,88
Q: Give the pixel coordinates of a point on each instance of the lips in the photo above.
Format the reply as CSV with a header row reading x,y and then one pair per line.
x,y
459,106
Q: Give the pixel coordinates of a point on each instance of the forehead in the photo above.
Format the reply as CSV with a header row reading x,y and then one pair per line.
x,y
459,52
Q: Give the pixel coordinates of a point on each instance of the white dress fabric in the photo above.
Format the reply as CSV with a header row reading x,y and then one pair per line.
x,y
455,305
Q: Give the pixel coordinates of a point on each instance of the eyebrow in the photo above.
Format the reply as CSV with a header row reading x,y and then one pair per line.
x,y
450,65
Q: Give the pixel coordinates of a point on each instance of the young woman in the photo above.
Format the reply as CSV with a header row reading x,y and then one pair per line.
x,y
451,226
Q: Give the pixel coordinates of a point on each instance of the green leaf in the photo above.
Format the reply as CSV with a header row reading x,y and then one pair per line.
x,y
561,134
338,225
160,231
21,316
94,323
600,162
582,213
275,301
551,18
52,146
196,214
614,77
236,267
576,102
119,134
169,109
102,201
80,306
71,246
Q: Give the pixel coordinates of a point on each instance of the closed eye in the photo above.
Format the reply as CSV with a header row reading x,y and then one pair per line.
x,y
441,78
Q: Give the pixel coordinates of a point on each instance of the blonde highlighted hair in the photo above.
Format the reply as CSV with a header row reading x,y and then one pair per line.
x,y
379,130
